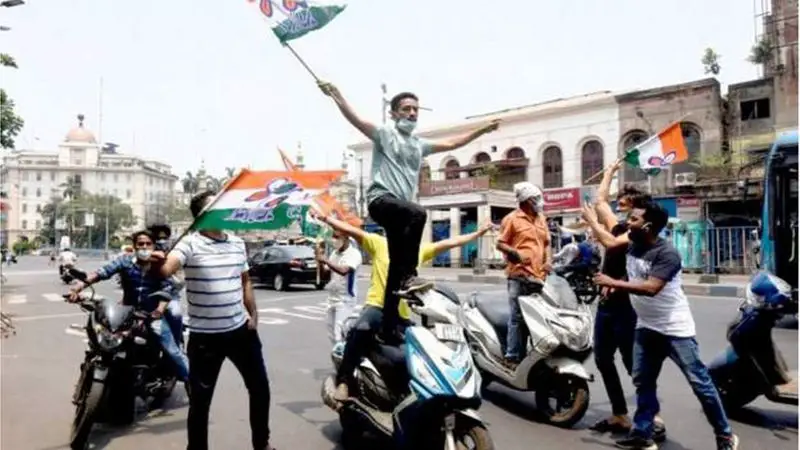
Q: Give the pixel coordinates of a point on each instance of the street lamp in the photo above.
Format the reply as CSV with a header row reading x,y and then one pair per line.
x,y
12,3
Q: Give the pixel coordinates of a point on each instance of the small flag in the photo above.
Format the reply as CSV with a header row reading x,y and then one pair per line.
x,y
660,151
302,17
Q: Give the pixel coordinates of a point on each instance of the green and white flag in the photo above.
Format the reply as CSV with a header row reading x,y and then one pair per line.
x,y
300,16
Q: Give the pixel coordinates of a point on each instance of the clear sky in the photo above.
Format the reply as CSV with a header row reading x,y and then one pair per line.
x,y
186,80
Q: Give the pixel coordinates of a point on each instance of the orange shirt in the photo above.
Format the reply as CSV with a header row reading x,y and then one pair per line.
x,y
530,237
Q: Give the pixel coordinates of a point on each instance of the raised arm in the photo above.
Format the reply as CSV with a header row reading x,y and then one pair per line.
x,y
458,241
603,236
605,214
458,142
356,233
367,128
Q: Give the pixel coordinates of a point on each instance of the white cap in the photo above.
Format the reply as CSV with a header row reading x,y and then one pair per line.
x,y
526,191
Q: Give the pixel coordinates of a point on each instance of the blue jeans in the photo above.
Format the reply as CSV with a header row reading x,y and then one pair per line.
x,y
614,329
650,350
172,349
517,338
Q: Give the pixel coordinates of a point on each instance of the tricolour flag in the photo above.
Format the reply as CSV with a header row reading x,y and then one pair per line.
x,y
265,200
301,16
659,151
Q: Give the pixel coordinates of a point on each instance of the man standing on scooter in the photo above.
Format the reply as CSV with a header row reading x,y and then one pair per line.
x,y
615,323
396,161
525,240
665,328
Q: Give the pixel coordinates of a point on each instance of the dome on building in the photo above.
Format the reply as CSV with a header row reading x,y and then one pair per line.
x,y
80,134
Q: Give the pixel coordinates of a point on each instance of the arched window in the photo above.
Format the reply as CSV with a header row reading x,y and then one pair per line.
x,y
552,168
591,161
633,174
691,138
515,153
450,173
482,158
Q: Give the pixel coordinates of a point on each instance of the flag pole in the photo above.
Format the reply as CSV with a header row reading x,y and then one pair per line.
x,y
618,160
302,61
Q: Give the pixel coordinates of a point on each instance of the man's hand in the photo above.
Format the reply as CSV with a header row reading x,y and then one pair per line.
x,y
316,212
491,126
589,214
606,291
158,256
547,267
252,323
74,293
159,312
486,227
602,279
329,89
613,168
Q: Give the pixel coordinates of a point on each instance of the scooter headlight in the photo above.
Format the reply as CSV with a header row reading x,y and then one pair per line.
x,y
422,374
572,333
752,298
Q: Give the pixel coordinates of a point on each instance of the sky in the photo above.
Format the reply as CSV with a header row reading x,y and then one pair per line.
x,y
186,81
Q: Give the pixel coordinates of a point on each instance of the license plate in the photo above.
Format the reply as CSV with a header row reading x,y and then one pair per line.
x,y
312,265
448,332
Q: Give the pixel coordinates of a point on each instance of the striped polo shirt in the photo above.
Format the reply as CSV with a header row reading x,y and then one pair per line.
x,y
213,275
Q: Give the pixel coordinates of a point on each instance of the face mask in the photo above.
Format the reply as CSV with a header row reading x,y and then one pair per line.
x,y
161,244
406,126
338,243
143,255
639,235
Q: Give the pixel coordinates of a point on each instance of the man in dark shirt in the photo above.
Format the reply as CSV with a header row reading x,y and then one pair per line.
x,y
615,325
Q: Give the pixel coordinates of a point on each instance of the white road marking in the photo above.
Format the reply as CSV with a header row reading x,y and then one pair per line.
x,y
16,299
312,309
287,313
272,321
53,297
47,316
77,333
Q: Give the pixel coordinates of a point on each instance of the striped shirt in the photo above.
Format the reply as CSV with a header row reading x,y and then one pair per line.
x,y
213,270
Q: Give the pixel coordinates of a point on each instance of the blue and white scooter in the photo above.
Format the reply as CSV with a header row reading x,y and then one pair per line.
x,y
423,394
751,365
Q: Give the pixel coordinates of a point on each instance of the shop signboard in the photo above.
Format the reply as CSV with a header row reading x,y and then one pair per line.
x,y
562,199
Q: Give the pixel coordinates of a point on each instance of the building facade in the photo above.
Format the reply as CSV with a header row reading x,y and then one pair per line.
x,y
31,179
556,145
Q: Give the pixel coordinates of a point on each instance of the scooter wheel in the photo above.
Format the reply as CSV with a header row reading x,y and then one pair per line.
x,y
476,436
571,395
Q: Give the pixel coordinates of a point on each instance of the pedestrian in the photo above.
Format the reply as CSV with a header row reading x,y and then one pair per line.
x,y
222,324
665,328
396,161
343,264
615,322
525,240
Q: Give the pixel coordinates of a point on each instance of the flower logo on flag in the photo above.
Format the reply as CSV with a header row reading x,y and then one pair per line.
x,y
275,192
287,7
657,161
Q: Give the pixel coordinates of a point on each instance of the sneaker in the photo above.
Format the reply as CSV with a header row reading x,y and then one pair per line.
x,y
613,424
728,442
414,284
637,443
342,393
659,430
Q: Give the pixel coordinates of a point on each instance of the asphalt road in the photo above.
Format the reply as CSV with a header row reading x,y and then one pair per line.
x,y
40,364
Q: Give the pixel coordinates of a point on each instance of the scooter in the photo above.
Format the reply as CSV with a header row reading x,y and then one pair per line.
x,y
423,394
751,365
561,339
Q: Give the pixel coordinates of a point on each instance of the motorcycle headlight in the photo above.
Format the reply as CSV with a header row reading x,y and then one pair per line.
x,y
106,339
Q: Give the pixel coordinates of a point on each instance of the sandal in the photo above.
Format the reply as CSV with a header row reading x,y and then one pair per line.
x,y
607,426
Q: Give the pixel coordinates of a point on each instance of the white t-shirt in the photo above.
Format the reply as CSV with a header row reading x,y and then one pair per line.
x,y
668,311
342,288
68,258
213,275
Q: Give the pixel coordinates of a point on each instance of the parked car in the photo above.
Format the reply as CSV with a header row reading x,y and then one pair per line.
x,y
280,266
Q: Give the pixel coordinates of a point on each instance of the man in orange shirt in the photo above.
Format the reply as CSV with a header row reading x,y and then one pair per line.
x,y
525,240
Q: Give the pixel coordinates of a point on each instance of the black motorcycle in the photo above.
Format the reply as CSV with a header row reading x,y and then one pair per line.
x,y
580,278
124,360
66,274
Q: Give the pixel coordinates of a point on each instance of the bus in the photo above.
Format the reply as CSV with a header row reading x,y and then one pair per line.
x,y
778,233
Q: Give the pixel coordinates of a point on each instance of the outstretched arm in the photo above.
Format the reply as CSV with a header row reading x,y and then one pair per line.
x,y
452,144
605,215
458,241
367,128
604,236
356,233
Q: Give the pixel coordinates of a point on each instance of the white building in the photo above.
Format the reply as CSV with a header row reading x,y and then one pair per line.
x,y
30,179
556,145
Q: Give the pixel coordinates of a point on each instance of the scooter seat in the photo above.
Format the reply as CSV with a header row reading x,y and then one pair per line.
x,y
496,310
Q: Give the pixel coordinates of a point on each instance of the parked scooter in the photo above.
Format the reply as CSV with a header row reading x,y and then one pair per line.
x,y
423,393
561,340
751,365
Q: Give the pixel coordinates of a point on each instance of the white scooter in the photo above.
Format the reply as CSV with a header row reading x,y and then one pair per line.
x,y
561,339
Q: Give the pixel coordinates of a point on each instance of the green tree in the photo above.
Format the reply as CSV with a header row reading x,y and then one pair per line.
x,y
73,211
11,123
761,52
191,184
710,62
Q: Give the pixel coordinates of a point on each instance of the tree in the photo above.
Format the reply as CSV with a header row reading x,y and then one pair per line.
x,y
710,62
761,52
73,211
11,123
191,184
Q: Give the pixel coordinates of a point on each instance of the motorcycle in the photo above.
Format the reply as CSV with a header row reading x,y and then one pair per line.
x,y
561,340
580,278
751,365
66,273
423,393
123,361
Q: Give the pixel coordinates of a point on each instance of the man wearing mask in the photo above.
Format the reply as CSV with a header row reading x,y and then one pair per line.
x,y
525,240
223,323
615,323
174,316
343,264
665,328
139,280
396,161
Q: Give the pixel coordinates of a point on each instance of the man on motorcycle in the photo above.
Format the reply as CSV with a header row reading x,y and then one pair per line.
x,y
138,283
66,259
174,316
369,322
525,240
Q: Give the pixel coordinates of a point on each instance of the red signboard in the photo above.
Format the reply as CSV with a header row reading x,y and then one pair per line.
x,y
457,186
562,199
688,202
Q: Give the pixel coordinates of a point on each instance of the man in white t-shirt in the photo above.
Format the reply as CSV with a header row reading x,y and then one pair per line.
x,y
66,259
343,264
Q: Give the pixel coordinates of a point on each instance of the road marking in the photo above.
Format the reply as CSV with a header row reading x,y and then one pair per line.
x,y
53,297
272,321
287,313
72,332
47,316
312,309
16,299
